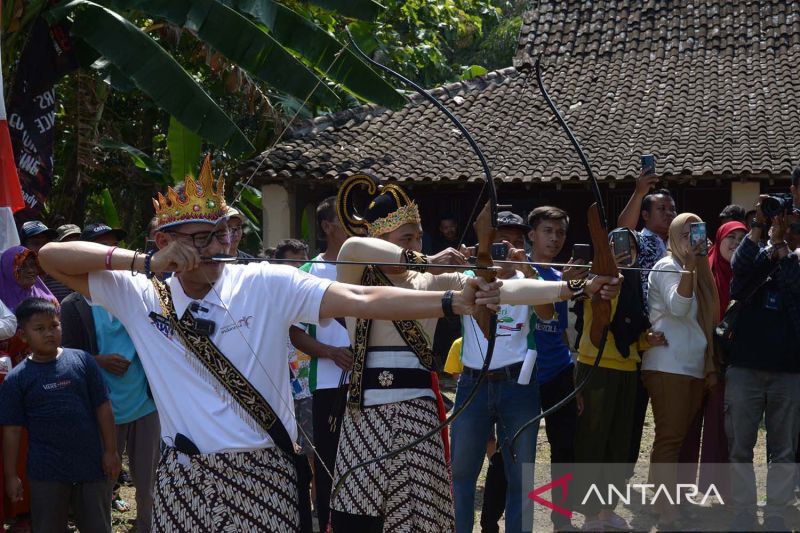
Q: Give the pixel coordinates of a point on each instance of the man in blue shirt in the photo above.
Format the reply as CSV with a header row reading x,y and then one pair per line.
x,y
554,362
93,329
59,396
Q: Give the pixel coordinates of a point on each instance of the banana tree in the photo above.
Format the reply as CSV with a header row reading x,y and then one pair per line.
x,y
269,41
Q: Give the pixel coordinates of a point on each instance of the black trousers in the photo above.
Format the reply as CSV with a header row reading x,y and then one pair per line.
x,y
346,522
325,402
560,427
494,495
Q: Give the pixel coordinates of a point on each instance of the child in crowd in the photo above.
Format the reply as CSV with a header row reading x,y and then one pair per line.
x,y
59,397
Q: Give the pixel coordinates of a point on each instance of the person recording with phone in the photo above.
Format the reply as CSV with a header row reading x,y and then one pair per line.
x,y
763,375
504,398
606,405
656,207
684,305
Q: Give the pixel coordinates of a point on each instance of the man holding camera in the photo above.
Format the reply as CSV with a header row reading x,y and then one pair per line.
x,y
763,376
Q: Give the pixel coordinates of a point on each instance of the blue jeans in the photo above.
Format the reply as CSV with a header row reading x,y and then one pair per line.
x,y
509,405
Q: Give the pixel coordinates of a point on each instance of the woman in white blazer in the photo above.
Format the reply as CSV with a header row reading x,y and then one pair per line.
x,y
685,307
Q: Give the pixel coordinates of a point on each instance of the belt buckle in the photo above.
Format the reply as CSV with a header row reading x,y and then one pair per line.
x,y
386,379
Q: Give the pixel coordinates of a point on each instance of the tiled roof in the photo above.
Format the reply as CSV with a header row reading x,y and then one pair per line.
x,y
711,88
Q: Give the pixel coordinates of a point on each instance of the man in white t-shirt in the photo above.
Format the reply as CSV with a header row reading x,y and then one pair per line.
x,y
500,400
222,465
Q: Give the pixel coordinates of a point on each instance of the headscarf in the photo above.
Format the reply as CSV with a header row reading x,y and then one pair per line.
x,y
721,267
11,292
704,287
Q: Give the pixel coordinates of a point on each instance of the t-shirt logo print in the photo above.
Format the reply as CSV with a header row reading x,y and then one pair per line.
x,y
162,324
242,323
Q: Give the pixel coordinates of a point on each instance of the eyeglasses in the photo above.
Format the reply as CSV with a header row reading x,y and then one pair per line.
x,y
201,239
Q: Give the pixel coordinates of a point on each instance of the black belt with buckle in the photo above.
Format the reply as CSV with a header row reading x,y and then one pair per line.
x,y
396,378
506,373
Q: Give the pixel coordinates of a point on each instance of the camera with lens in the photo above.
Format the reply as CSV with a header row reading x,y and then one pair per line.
x,y
777,204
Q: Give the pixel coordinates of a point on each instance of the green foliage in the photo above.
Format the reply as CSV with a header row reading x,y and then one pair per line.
x,y
184,151
154,71
473,72
255,61
432,42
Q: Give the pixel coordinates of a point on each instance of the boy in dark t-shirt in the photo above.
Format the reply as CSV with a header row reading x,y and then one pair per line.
x,y
59,396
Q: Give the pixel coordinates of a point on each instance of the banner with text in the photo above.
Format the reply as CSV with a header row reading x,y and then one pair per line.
x,y
48,55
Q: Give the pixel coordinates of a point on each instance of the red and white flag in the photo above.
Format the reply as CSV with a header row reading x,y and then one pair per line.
x,y
10,190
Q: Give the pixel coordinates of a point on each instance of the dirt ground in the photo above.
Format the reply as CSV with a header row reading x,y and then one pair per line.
x,y
122,521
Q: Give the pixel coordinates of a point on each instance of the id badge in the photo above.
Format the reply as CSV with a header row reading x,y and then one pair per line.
x,y
772,301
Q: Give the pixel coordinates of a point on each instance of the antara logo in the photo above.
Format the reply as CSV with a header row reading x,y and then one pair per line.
x,y
683,492
560,482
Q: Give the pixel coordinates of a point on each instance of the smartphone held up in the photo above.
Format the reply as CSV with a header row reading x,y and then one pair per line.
x,y
649,165
697,234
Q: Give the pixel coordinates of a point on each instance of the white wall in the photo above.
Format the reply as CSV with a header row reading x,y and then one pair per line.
x,y
277,204
745,193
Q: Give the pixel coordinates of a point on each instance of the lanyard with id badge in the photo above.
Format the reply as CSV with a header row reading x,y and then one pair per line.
x,y
772,300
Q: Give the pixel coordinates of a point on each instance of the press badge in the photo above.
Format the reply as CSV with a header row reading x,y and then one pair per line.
x,y
772,301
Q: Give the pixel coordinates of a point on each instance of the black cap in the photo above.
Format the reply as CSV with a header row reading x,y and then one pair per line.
x,y
93,231
33,228
507,219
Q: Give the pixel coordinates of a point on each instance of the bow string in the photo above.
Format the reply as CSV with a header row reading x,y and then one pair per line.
x,y
603,261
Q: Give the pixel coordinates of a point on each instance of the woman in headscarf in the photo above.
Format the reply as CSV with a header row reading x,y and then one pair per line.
x,y
714,448
19,280
685,306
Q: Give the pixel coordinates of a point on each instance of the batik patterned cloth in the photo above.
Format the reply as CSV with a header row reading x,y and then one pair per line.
x,y
412,490
251,491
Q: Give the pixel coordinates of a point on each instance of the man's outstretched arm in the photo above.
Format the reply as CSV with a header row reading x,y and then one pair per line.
x,y
395,303
71,262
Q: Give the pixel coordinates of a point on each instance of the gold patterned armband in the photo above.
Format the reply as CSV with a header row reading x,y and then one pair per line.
x,y
578,286
420,261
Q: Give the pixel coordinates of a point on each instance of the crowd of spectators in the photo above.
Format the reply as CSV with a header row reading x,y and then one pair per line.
x,y
662,348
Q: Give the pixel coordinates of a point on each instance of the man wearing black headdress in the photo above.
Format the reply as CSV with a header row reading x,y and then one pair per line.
x,y
393,397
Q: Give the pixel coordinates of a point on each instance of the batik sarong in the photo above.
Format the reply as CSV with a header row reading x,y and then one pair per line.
x,y
252,491
412,490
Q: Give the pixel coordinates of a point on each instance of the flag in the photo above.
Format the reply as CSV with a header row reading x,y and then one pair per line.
x,y
47,56
10,191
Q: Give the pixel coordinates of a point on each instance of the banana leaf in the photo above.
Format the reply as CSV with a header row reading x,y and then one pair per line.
x,y
241,41
184,150
154,71
110,214
296,32
251,195
140,159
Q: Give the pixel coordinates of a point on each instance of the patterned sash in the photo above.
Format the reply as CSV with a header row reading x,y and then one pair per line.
x,y
226,379
409,330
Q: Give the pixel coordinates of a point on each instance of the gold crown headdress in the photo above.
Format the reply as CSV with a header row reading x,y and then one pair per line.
x,y
375,220
200,201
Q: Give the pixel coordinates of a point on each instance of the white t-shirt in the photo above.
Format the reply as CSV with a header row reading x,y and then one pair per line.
x,y
511,345
324,374
261,302
676,316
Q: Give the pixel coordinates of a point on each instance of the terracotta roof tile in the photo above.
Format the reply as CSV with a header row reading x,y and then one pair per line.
x,y
709,87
